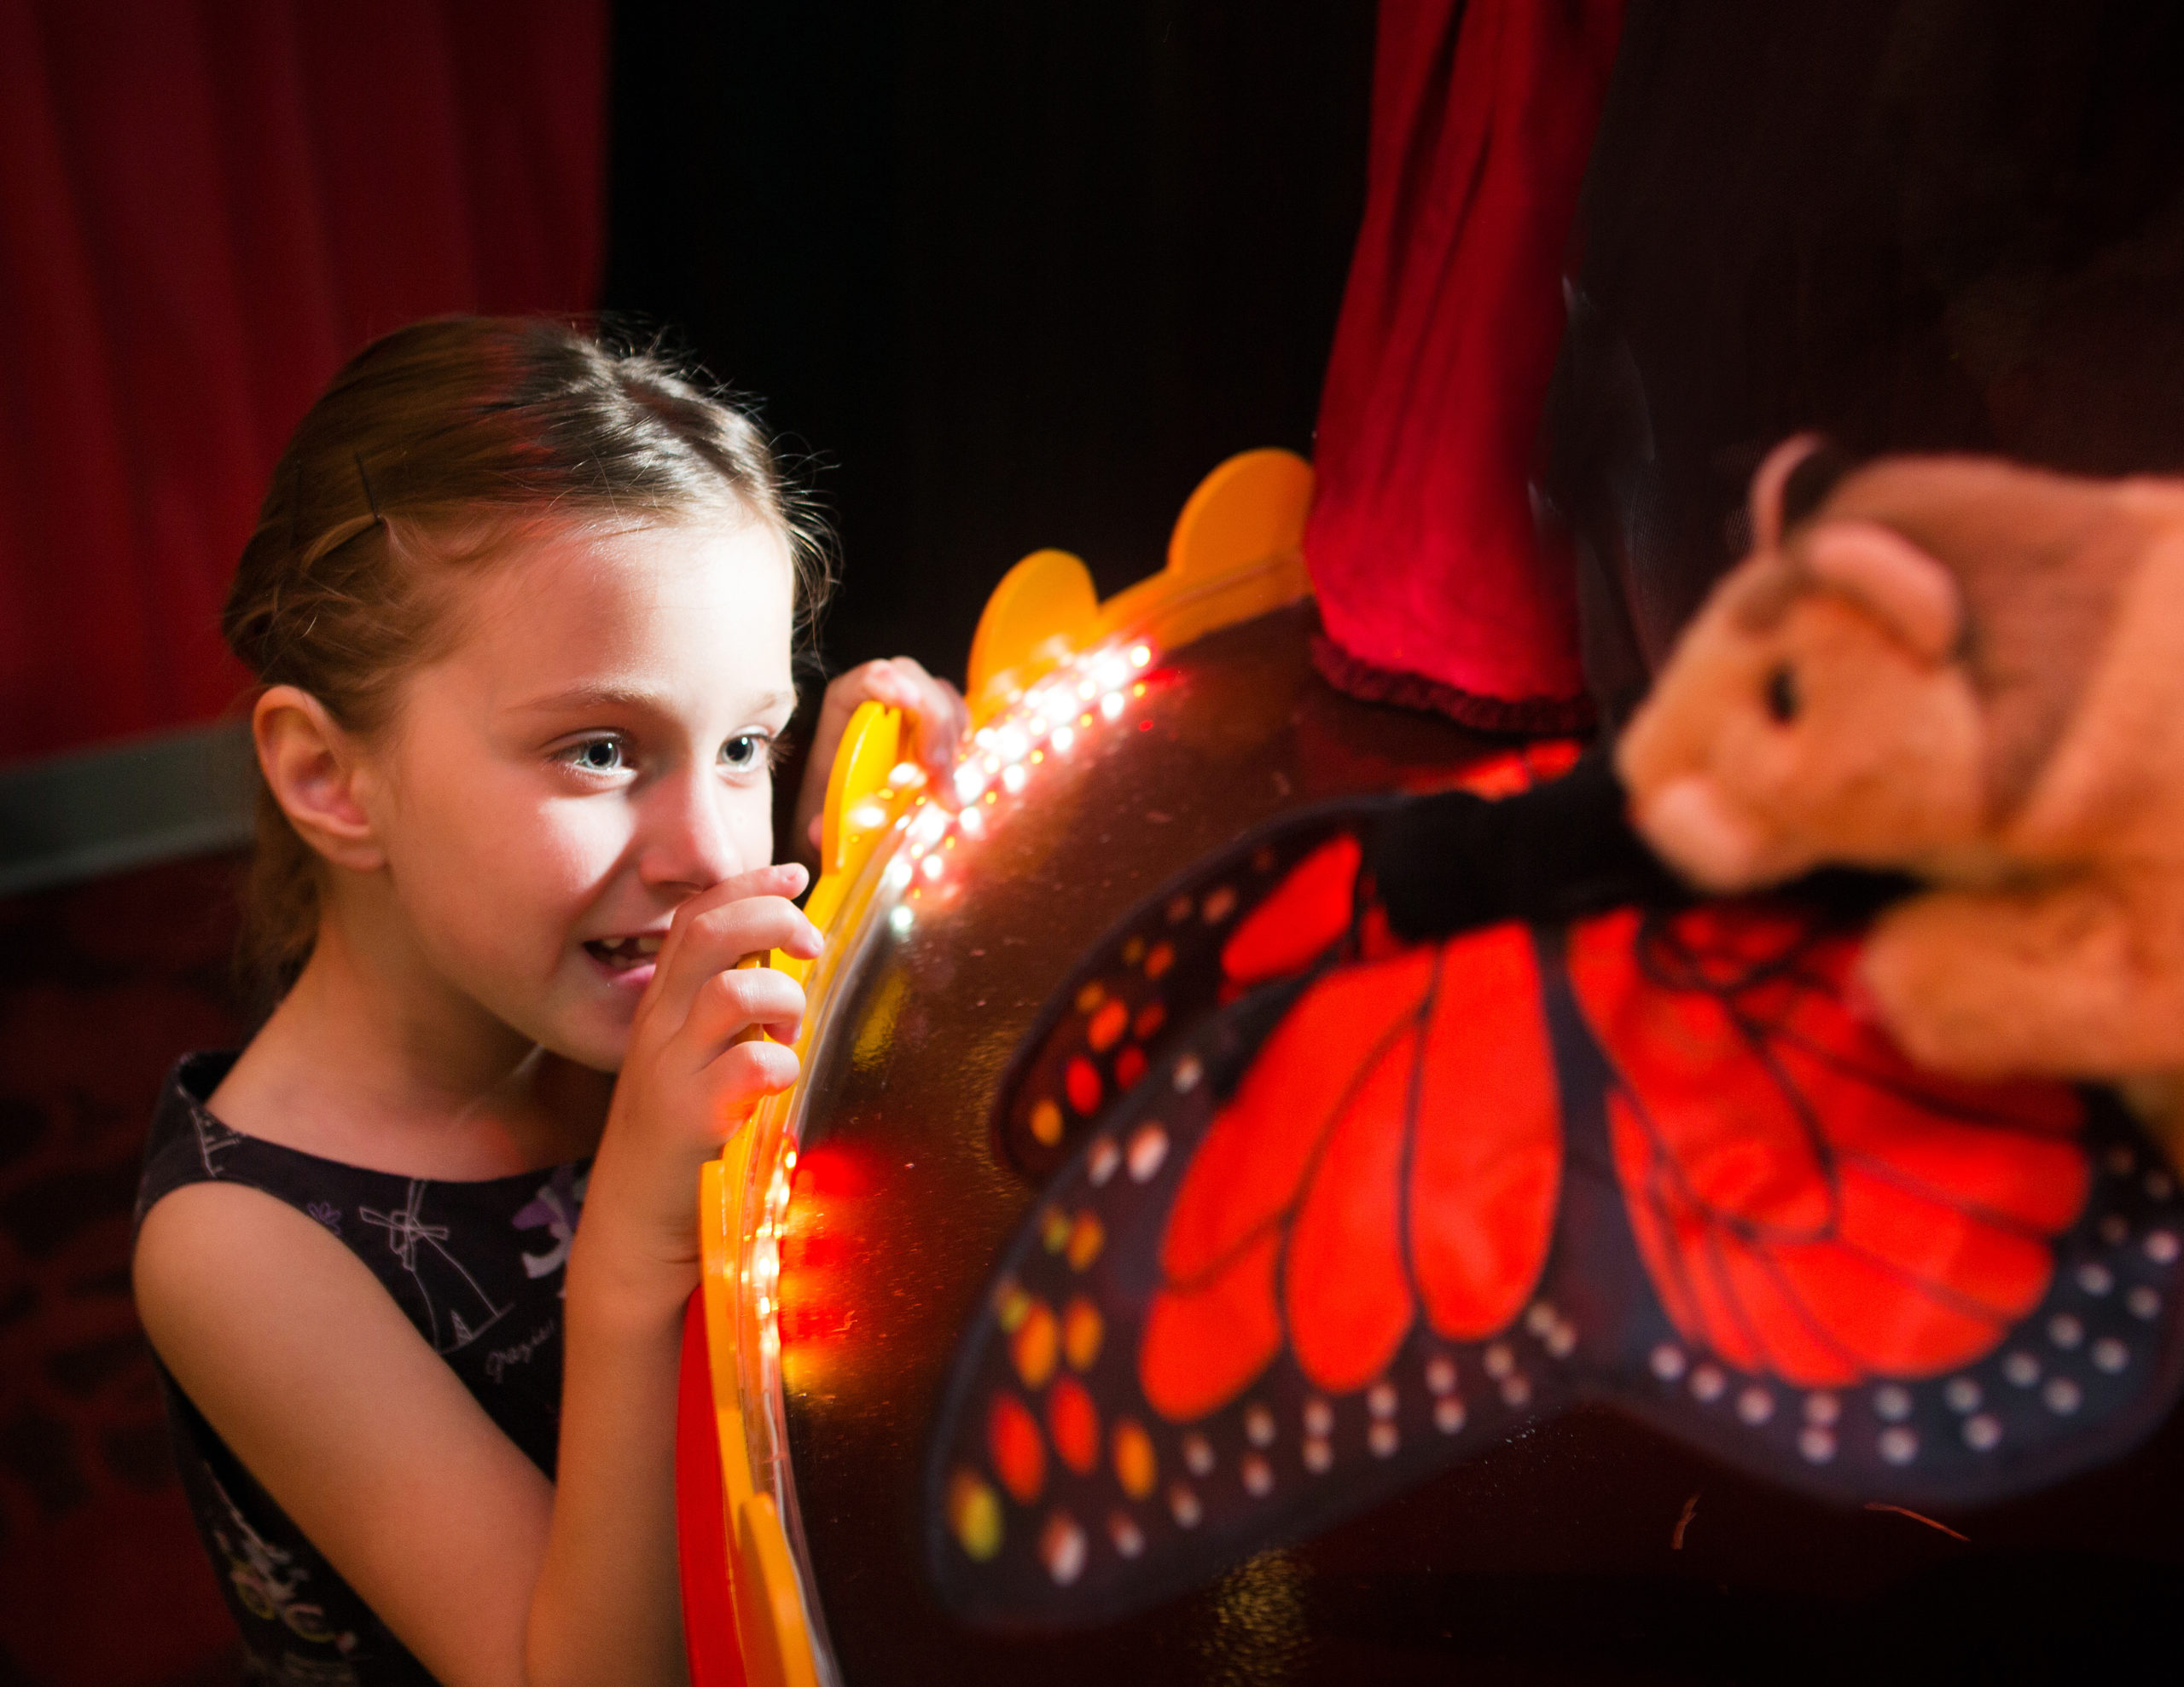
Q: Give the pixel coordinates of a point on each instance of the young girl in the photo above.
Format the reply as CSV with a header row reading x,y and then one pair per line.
x,y
521,608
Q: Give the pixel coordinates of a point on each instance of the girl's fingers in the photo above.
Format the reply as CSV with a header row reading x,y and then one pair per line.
x,y
939,716
728,1004
940,720
744,1076
712,932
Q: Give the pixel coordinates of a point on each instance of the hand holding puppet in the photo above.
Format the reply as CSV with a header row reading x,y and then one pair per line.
x,y
1405,1124
1972,672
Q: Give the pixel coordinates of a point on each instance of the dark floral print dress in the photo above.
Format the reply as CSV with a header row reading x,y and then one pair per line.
x,y
477,1267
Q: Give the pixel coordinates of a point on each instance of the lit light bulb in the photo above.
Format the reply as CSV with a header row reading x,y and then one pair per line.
x,y
1012,778
1112,704
969,782
901,919
898,874
932,866
973,822
1012,743
866,816
1140,655
1064,737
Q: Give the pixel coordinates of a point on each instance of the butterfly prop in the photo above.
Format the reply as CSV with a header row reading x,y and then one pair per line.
x,y
1325,1211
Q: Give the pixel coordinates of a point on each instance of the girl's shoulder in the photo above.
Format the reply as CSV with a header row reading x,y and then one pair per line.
x,y
458,1254
475,1266
189,1144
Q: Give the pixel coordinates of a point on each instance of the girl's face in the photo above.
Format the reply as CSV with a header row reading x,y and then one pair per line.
x,y
595,751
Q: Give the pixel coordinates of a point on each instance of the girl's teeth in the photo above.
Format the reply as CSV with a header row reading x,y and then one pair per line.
x,y
624,952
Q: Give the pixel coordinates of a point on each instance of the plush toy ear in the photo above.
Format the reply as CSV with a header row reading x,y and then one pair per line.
x,y
1914,595
1767,488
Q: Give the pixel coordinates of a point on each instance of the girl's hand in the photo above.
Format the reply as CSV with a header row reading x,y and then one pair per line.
x,y
692,1076
937,716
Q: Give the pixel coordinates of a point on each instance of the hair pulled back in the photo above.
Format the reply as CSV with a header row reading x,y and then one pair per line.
x,y
432,447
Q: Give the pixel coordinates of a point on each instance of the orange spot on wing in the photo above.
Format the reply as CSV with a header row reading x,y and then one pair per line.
x,y
1108,1025
1074,1422
1082,1329
1013,1443
1136,1466
973,1515
1087,1235
1033,1347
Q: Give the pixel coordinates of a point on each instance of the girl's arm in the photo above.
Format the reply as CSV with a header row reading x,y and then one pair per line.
x,y
310,1372
494,1576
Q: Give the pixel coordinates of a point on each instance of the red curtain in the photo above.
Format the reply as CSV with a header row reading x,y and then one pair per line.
x,y
205,208
1432,582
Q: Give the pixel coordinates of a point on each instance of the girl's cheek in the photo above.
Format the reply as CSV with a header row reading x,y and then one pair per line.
x,y
581,845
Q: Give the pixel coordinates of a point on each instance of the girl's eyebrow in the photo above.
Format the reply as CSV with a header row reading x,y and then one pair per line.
x,y
610,695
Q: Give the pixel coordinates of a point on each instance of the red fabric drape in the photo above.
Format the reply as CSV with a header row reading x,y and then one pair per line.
x,y
1433,585
204,209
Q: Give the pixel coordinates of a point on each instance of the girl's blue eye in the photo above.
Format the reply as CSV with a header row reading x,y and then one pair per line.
x,y
744,751
598,755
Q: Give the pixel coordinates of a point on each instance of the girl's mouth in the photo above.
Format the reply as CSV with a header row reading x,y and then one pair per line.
x,y
621,954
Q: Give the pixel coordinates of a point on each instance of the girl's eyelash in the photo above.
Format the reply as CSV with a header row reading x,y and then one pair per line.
x,y
771,745
573,754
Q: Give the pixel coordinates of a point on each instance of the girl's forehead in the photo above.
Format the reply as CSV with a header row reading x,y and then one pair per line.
x,y
693,606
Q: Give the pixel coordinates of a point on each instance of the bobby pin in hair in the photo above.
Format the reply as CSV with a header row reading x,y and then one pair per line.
x,y
371,504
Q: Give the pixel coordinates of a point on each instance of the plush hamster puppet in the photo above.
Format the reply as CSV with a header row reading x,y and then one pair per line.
x,y
1974,672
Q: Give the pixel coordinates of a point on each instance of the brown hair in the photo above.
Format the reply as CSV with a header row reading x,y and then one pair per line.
x,y
434,444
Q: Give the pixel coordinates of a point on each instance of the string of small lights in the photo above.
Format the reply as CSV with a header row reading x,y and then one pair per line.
x,y
1048,722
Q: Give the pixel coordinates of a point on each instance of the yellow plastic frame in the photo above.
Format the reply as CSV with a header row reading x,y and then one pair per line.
x,y
1235,554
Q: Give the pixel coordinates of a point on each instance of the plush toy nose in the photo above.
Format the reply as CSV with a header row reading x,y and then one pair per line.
x,y
1698,834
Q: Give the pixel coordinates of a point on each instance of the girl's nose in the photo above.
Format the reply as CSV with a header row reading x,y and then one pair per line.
x,y
687,842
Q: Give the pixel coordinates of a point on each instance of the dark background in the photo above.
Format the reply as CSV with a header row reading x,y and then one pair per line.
x,y
1005,276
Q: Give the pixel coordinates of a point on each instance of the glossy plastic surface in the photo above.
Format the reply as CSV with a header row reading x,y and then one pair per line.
x,y
1574,1553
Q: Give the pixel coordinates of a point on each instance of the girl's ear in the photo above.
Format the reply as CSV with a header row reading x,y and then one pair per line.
x,y
310,766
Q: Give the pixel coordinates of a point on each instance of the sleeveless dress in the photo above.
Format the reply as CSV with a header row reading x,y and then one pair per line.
x,y
476,1266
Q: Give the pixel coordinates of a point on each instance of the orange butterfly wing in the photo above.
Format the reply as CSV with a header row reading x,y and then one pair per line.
x,y
1316,1206
1818,1209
